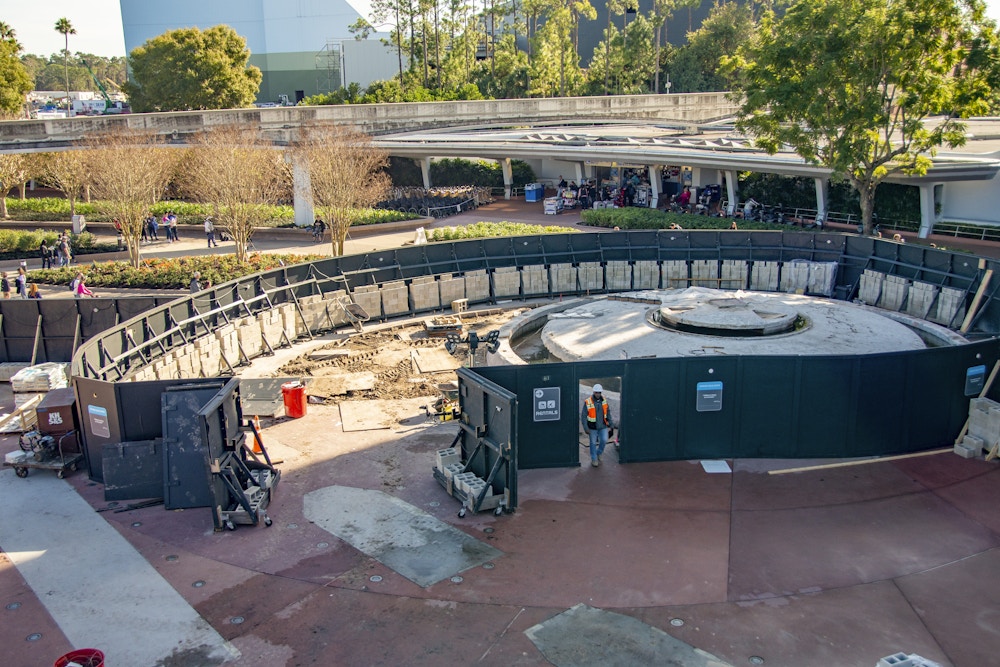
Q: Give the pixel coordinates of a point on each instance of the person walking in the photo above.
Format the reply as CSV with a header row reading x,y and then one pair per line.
x,y
45,252
4,285
33,292
210,232
21,281
195,285
598,422
63,250
172,220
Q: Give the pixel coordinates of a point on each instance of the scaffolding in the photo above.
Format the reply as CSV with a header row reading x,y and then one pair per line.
x,y
329,67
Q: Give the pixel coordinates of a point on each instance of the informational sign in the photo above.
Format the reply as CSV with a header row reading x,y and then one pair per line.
x,y
99,421
709,397
545,402
975,377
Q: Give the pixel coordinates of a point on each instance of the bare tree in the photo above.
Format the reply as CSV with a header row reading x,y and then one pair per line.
x,y
67,171
11,168
130,174
346,172
241,175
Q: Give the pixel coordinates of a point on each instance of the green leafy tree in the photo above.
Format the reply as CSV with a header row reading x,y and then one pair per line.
x,y
65,28
191,69
14,80
694,67
852,85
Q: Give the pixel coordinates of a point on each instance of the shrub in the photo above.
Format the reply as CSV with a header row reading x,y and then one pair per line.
x,y
481,230
167,273
648,218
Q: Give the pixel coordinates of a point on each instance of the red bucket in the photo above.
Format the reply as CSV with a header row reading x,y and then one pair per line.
x,y
85,657
294,395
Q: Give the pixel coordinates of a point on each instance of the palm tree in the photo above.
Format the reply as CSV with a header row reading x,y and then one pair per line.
x,y
64,27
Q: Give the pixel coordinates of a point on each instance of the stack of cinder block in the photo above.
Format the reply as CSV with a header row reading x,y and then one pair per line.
x,y
562,277
764,277
984,428
451,288
705,273
506,282
894,291
904,660
618,276
675,274
477,286
794,277
646,274
534,280
733,274
591,275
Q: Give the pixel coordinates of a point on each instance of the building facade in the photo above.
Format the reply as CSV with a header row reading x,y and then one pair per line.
x,y
301,47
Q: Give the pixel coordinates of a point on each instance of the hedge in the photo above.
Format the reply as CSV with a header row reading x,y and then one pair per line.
x,y
56,209
481,230
167,273
649,218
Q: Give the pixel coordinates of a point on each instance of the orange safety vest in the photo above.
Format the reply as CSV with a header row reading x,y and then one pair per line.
x,y
592,411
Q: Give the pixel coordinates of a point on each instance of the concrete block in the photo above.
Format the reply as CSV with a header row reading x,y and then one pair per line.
x,y
562,278
590,276
451,288
447,456
822,278
534,280
452,469
764,276
705,273
618,276
395,298
477,286
646,275
733,274
950,307
370,300
506,282
674,274
794,276
424,295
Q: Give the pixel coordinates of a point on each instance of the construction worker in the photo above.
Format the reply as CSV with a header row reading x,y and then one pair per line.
x,y
598,422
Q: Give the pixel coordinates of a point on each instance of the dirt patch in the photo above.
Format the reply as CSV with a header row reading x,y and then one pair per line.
x,y
387,355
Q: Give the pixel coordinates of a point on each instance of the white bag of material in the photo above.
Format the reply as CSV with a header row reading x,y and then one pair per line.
x,y
421,238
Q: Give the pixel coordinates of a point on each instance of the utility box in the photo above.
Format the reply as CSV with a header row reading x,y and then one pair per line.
x,y
534,192
57,417
79,224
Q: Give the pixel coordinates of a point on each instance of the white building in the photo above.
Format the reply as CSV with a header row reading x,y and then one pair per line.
x,y
302,48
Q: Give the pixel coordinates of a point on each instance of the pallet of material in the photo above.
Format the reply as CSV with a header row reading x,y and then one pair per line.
x,y
40,378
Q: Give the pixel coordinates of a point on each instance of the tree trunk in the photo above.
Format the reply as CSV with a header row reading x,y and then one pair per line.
x,y
866,197
72,204
3,206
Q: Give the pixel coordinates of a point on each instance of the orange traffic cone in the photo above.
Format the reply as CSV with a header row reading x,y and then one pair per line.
x,y
256,440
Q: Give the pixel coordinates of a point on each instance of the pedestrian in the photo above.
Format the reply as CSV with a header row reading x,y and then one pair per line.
x,y
79,286
4,285
154,229
172,219
21,282
210,232
46,254
165,224
598,422
33,292
195,285
63,250
144,238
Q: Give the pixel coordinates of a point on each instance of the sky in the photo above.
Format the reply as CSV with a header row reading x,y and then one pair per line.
x,y
98,25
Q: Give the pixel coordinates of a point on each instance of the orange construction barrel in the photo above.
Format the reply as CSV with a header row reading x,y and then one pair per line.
x,y
85,657
294,395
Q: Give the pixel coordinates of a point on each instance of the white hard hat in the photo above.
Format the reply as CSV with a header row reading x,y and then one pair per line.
x,y
598,389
